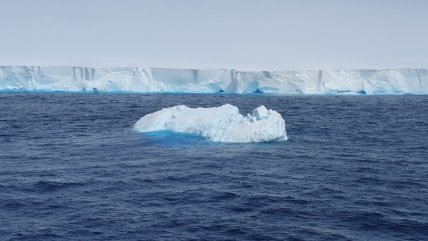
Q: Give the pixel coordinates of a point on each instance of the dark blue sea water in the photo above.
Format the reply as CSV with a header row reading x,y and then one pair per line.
x,y
354,168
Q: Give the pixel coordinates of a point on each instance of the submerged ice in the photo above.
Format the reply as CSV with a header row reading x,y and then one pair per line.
x,y
219,124
151,80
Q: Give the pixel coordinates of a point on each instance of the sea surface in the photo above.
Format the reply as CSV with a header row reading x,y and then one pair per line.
x,y
72,168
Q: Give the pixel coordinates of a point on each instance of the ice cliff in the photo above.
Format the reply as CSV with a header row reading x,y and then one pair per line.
x,y
152,80
219,124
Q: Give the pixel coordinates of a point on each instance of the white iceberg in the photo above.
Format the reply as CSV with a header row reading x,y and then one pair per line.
x,y
219,124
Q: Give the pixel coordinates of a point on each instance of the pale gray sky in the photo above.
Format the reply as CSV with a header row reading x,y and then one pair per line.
x,y
244,34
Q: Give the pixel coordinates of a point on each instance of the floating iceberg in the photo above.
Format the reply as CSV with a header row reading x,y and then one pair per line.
x,y
159,80
219,124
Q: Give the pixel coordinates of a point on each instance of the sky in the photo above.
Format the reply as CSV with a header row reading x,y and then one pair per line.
x,y
242,34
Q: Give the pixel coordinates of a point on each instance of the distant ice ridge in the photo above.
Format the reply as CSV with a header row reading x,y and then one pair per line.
x,y
155,80
219,124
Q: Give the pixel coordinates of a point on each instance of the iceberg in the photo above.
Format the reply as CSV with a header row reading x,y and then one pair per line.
x,y
218,124
162,80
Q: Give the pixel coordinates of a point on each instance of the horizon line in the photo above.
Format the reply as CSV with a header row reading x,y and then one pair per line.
x,y
235,69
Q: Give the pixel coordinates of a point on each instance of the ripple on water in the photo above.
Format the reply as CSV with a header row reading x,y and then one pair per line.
x,y
354,168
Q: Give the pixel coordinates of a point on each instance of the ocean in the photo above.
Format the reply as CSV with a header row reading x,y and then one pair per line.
x,y
72,168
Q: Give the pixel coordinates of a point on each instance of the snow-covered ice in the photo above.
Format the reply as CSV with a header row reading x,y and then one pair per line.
x,y
155,80
219,124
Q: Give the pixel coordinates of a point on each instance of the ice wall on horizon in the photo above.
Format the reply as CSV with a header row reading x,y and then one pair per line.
x,y
152,80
